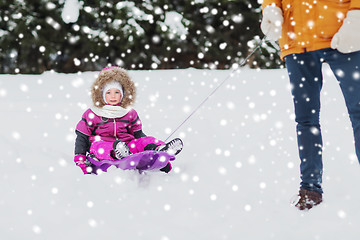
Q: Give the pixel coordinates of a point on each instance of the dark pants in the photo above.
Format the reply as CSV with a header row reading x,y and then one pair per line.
x,y
305,73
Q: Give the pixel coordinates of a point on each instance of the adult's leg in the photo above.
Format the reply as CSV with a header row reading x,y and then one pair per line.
x,y
306,79
346,68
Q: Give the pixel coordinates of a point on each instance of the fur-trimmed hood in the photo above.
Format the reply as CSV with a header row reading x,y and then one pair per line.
x,y
113,74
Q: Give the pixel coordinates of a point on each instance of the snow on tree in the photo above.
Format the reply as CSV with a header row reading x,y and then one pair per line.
x,y
70,13
61,35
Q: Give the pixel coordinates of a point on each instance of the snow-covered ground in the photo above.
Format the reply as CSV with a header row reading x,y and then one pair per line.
x,y
234,179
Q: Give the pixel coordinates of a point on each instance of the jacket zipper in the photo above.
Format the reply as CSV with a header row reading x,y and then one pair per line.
x,y
115,130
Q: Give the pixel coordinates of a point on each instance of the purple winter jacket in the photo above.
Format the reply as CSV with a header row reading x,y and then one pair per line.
x,y
93,127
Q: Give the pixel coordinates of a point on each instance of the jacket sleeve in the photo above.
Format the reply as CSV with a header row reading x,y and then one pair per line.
x,y
84,129
139,134
355,5
82,143
266,3
135,122
136,126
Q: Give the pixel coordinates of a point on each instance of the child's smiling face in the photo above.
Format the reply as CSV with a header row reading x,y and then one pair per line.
x,y
113,96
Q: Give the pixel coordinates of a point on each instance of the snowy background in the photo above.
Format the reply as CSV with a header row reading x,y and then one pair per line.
x,y
234,179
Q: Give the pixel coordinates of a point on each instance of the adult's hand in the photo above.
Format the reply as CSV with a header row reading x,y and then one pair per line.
x,y
347,39
272,21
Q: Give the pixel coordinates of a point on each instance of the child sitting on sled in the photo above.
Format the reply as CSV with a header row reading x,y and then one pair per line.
x,y
111,129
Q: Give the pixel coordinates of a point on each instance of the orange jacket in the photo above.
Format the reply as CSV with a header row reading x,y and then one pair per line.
x,y
310,24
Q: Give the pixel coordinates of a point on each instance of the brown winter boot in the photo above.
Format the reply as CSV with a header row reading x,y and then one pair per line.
x,y
308,199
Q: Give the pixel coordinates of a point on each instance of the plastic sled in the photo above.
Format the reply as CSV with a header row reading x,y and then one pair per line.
x,y
143,161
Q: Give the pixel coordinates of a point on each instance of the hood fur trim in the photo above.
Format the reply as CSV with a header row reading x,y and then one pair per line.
x,y
113,74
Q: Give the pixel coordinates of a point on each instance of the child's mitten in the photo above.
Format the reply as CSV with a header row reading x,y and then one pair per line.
x,y
80,161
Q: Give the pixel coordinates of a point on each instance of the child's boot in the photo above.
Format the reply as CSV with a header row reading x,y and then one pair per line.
x,y
121,149
173,147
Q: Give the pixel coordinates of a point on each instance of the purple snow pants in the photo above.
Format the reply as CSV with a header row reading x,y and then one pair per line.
x,y
102,149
